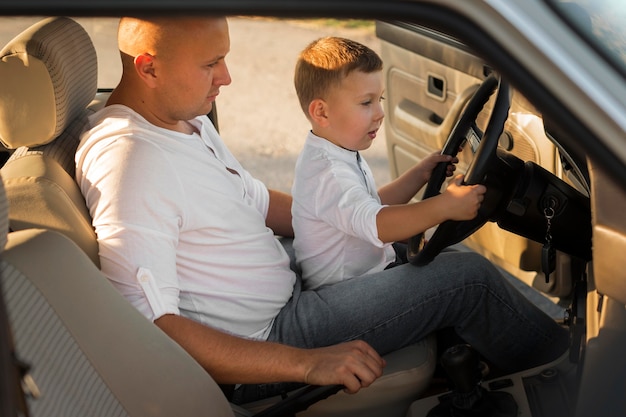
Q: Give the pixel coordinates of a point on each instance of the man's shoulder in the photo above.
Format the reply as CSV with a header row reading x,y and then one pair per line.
x,y
111,118
115,130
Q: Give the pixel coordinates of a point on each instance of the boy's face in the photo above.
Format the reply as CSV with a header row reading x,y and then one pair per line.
x,y
354,111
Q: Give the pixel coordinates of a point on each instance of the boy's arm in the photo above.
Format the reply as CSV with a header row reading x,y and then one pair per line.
x,y
403,188
230,359
458,202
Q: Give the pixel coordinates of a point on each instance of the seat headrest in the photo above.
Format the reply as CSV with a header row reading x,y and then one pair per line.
x,y
48,75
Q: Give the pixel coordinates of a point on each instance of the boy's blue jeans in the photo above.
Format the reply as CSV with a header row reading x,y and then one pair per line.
x,y
402,305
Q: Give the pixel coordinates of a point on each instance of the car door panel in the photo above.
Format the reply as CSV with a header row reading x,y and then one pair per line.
x,y
605,316
425,92
429,80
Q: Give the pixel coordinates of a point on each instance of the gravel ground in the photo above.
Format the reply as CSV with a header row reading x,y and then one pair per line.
x,y
259,115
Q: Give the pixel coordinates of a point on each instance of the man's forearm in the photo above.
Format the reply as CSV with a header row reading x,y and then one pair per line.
x,y
234,360
279,214
230,359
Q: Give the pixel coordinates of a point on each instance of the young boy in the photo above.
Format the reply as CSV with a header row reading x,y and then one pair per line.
x,y
344,227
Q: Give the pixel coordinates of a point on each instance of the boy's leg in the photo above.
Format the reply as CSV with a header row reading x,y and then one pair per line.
x,y
402,305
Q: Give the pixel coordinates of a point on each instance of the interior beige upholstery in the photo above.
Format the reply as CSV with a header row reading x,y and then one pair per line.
x,y
53,69
91,353
608,203
603,385
45,92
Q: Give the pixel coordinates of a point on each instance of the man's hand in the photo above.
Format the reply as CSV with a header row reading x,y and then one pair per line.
x,y
354,365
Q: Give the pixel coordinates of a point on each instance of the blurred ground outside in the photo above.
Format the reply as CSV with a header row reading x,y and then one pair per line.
x,y
259,114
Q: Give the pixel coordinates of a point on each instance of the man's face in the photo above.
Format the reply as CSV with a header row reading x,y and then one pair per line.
x,y
192,74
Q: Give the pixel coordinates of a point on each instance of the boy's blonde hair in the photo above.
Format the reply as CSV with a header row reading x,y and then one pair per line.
x,y
325,62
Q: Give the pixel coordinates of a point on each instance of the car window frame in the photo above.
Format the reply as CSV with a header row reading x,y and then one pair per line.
x,y
569,11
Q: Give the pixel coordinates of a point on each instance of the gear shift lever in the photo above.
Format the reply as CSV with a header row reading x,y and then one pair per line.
x,y
469,398
461,364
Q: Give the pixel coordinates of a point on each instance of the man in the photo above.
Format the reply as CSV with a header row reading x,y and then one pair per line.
x,y
188,237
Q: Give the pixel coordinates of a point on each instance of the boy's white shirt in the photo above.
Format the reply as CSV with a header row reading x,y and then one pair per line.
x,y
335,203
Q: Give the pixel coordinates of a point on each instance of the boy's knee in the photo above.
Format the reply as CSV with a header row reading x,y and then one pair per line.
x,y
479,267
471,260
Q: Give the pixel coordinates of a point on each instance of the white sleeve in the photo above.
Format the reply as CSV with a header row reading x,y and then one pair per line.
x,y
135,198
343,202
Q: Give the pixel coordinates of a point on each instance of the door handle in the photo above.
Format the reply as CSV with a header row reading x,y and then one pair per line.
x,y
436,87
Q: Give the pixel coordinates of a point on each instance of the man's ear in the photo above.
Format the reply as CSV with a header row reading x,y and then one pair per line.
x,y
144,65
318,112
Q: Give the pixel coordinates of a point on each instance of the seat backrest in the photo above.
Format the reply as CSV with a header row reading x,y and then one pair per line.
x,y
48,78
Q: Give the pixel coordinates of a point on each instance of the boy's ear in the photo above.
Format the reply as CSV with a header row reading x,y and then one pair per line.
x,y
318,112
144,65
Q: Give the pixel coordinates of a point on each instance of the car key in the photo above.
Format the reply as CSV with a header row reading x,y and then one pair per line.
x,y
548,253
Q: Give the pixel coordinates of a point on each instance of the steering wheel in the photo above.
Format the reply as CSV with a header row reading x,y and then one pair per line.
x,y
421,252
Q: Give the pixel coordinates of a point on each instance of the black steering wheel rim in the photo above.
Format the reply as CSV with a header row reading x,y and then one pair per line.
x,y
420,251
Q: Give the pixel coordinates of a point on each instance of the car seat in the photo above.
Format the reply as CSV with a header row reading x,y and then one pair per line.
x,y
89,351
49,77
46,95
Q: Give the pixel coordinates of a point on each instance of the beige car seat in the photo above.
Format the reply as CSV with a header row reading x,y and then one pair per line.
x,y
90,352
48,77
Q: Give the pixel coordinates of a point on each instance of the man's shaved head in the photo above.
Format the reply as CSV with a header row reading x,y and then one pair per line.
x,y
173,67
158,36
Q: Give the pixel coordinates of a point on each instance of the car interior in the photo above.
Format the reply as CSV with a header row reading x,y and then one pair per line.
x,y
45,205
423,110
97,355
